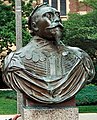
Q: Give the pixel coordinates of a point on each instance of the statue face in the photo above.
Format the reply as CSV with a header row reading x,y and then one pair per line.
x,y
48,23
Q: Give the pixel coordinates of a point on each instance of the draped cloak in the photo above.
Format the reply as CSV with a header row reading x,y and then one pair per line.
x,y
46,74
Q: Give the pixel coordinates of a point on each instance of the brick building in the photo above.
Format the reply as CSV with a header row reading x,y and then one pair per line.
x,y
64,6
67,6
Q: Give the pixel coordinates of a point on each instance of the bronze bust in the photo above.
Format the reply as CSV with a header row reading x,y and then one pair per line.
x,y
45,69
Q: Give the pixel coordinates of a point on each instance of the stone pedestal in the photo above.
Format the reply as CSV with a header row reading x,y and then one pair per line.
x,y
33,110
50,114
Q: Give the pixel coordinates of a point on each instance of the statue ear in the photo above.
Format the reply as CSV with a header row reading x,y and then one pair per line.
x,y
34,26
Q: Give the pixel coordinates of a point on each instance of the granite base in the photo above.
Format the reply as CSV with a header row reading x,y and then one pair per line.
x,y
50,114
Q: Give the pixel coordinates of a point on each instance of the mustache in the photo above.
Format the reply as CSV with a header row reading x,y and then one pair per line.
x,y
54,25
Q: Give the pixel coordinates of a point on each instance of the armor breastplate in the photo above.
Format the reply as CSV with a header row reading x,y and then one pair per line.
x,y
50,65
48,75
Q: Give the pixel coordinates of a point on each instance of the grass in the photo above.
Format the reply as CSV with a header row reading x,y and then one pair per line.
x,y
88,109
8,104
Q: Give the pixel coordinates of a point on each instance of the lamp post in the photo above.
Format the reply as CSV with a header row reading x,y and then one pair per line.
x,y
18,14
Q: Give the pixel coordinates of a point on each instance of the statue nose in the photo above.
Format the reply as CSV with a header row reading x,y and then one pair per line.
x,y
56,19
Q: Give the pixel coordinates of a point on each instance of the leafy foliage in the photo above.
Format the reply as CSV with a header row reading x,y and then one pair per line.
x,y
27,8
87,96
81,27
81,31
91,3
7,25
9,94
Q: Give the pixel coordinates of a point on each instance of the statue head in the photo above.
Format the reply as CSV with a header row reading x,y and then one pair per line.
x,y
45,22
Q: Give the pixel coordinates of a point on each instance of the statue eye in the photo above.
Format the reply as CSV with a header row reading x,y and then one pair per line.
x,y
48,15
57,14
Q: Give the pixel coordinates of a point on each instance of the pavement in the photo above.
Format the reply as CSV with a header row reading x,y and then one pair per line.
x,y
82,116
88,116
5,117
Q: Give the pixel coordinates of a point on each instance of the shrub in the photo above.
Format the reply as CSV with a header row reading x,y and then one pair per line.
x,y
87,96
10,94
81,31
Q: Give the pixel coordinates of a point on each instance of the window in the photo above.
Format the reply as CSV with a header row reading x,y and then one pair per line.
x,y
47,1
63,7
54,3
60,5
